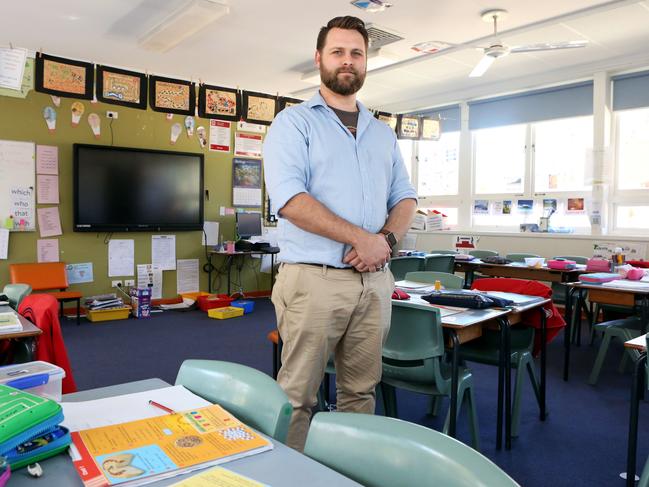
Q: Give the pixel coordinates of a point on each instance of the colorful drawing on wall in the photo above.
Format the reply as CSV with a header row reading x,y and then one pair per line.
x,y
576,205
246,183
388,118
525,206
172,95
259,107
408,127
120,87
507,207
285,102
549,205
219,102
430,129
64,77
77,110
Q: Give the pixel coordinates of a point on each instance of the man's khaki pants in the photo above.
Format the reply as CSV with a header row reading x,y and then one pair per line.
x,y
323,311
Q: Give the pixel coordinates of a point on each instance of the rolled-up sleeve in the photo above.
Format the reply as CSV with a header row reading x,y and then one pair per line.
x,y
285,159
400,186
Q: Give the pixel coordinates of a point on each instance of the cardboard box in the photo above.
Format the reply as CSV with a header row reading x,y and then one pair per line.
x,y
141,302
40,378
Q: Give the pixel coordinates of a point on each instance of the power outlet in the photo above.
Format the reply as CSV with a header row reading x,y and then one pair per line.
x,y
116,283
129,282
110,114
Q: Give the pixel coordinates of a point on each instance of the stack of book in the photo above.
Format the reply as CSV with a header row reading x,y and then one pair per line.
x,y
104,301
9,323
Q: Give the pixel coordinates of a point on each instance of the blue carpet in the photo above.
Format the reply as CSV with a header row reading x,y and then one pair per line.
x,y
582,442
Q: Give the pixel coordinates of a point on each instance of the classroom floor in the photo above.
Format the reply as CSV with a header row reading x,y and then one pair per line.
x,y
582,442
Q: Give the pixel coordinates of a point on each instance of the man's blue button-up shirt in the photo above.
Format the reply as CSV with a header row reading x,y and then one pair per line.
x,y
309,150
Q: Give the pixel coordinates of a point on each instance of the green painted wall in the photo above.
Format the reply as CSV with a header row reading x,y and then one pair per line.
x,y
22,120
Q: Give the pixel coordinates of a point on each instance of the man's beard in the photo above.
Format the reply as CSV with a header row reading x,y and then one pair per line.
x,y
344,86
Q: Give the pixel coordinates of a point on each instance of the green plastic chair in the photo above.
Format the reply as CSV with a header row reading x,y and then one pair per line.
x,y
413,359
449,281
402,265
385,452
16,293
439,263
252,396
624,329
444,252
480,254
559,289
519,257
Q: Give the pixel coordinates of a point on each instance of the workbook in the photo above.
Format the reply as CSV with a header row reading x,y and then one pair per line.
x,y
143,451
9,323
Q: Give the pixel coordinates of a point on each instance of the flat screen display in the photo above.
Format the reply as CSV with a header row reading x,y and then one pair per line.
x,y
248,225
124,189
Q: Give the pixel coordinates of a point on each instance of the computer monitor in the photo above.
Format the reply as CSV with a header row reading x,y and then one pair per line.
x,y
248,225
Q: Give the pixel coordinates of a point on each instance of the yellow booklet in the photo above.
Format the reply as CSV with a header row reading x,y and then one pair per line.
x,y
218,477
147,450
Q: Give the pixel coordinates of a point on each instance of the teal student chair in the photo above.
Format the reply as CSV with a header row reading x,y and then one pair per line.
x,y
625,329
439,263
481,254
413,359
402,265
15,293
252,396
519,257
443,252
385,452
448,281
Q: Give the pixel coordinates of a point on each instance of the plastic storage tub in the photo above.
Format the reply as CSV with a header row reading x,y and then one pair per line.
x,y
40,378
248,306
225,313
211,301
95,315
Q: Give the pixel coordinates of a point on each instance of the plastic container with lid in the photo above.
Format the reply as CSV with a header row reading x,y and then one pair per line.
x,y
40,378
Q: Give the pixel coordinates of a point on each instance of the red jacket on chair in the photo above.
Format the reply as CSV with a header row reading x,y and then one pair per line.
x,y
554,321
43,311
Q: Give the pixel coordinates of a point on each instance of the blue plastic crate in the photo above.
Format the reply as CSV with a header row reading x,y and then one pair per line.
x,y
248,306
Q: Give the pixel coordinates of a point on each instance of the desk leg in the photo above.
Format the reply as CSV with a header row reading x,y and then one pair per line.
x,y
567,335
455,358
636,386
501,383
508,386
209,273
230,260
543,362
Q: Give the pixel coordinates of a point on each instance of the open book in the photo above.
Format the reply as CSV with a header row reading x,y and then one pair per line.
x,y
147,450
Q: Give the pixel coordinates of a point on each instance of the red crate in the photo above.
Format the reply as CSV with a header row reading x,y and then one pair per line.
x,y
214,301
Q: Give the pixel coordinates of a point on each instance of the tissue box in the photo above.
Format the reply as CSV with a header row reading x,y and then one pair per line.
x,y
40,378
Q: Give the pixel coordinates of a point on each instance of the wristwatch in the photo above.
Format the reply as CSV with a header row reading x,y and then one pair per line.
x,y
390,237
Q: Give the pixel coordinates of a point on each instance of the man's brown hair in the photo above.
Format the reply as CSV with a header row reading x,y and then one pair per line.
x,y
347,22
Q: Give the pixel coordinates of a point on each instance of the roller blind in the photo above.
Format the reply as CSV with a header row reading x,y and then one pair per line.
x,y
532,106
631,91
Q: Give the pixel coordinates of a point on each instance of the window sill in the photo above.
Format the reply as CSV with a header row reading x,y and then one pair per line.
x,y
578,236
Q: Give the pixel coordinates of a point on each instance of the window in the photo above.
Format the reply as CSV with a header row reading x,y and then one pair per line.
x,y
438,167
632,217
562,155
405,146
633,147
500,159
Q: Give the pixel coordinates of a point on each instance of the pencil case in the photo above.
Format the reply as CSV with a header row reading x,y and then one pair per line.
x,y
599,277
30,430
561,264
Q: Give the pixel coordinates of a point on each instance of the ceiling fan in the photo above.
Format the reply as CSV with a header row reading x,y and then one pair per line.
x,y
497,48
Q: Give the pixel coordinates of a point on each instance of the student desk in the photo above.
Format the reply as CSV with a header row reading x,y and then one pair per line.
x,y
229,261
28,333
467,325
279,467
599,294
639,344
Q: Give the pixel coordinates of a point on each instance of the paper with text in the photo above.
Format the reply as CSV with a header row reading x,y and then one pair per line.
x,y
12,67
149,275
47,189
48,250
79,273
187,276
211,229
4,243
218,477
163,251
121,257
49,221
47,159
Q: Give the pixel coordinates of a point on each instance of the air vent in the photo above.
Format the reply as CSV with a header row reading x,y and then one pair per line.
x,y
380,37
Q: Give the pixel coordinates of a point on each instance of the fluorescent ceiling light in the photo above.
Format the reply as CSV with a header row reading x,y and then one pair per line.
x,y
182,23
376,59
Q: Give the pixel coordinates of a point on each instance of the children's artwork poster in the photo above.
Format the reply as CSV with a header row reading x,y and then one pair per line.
x,y
220,136
172,95
549,205
64,77
285,102
247,145
259,107
27,84
79,273
219,102
246,183
22,208
47,250
631,250
388,118
525,206
507,207
575,205
408,127
430,129
49,221
497,207
481,207
120,87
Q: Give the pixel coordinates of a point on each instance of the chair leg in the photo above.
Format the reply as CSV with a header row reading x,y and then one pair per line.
x,y
389,400
473,419
518,388
599,360
622,365
60,309
78,311
275,360
433,406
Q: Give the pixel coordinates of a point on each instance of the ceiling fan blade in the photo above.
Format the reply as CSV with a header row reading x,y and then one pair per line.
x,y
482,66
549,46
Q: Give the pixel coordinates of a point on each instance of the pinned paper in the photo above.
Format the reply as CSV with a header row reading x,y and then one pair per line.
x,y
190,123
49,221
95,124
47,189
202,140
169,116
77,112
49,114
121,257
4,243
12,67
47,159
56,100
163,251
150,276
176,129
187,276
78,273
47,250
21,201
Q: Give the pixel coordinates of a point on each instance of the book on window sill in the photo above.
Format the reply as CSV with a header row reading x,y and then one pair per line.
x,y
9,322
147,450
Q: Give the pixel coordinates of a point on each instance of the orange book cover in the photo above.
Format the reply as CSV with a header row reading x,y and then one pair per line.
x,y
143,451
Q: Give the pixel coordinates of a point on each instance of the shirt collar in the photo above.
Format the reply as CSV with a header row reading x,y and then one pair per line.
x,y
364,114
